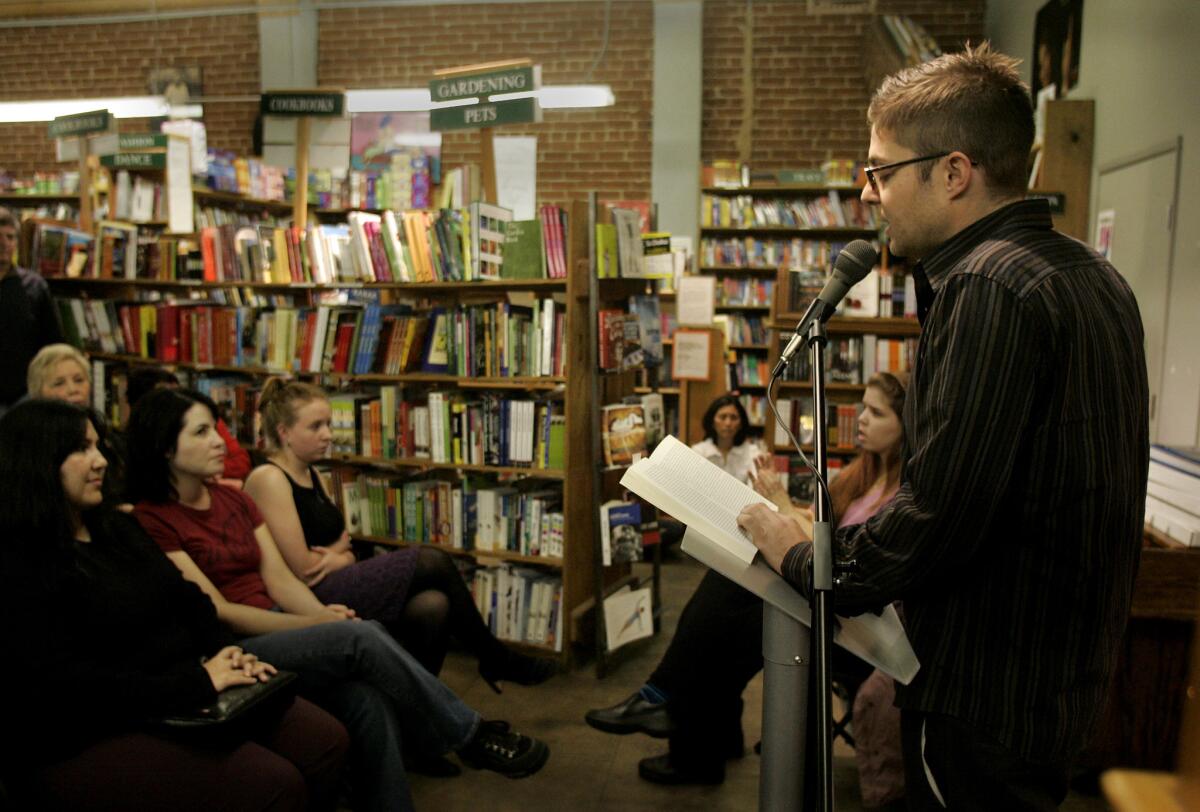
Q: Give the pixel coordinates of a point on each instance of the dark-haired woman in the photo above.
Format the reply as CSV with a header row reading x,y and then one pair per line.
x,y
103,635
694,696
727,442
417,593
217,538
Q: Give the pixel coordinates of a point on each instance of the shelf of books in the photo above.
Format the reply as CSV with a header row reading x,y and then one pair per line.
x,y
627,420
445,338
749,236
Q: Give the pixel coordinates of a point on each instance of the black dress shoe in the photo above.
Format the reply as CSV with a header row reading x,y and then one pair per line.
x,y
634,715
659,770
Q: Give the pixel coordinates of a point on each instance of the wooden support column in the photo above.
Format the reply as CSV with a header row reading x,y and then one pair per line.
x,y
487,168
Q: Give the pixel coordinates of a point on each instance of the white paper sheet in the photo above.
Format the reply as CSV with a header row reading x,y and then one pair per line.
x,y
516,174
695,301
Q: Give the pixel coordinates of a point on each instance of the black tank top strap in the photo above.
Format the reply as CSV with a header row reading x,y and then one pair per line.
x,y
320,518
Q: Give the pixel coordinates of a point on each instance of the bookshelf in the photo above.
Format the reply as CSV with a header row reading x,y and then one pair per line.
x,y
750,239
611,387
562,394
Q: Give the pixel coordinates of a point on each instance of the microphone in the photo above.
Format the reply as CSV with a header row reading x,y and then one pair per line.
x,y
853,263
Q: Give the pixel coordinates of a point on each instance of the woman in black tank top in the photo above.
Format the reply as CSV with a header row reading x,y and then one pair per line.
x,y
416,592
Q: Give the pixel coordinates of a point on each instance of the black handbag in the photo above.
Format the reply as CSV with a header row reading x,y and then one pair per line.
x,y
239,709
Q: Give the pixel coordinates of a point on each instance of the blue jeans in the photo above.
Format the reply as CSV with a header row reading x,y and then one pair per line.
x,y
356,671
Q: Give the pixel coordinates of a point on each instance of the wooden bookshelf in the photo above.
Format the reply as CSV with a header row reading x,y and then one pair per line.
x,y
426,464
498,555
571,391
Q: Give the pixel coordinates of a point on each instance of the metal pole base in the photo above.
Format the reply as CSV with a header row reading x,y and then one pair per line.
x,y
785,711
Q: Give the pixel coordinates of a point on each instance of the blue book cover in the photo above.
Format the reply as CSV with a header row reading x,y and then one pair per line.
x,y
625,531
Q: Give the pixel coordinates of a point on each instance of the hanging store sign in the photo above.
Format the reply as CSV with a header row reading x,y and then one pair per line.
x,y
80,124
303,103
135,160
482,86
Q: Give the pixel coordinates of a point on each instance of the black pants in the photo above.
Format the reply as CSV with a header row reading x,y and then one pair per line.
x,y
972,770
716,651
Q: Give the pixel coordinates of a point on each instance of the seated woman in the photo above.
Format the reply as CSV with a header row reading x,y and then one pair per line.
x,y
60,371
727,444
112,637
417,593
694,696
145,379
217,538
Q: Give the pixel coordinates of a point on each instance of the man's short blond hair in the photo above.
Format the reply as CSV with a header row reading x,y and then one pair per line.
x,y
973,101
45,361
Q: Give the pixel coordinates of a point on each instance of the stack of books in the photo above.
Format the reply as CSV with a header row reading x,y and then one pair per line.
x,y
1173,492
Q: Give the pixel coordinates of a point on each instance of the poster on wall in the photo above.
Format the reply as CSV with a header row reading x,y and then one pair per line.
x,y
1104,232
1056,45
401,156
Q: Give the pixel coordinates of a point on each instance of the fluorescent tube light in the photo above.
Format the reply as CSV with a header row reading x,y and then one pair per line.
x,y
413,99
48,109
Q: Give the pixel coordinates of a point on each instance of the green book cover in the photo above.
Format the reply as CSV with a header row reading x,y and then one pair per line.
x,y
556,460
606,251
523,255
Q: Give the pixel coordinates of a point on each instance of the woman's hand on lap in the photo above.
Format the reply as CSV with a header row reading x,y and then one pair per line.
x,y
329,561
229,668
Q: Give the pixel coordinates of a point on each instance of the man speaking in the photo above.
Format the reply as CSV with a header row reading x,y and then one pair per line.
x,y
1014,539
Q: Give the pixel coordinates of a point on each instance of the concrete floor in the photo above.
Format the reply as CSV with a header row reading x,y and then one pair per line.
x,y
589,770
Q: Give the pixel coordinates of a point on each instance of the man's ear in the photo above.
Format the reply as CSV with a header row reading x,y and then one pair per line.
x,y
960,174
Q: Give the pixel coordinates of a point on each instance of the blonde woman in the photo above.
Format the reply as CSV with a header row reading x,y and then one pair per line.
x,y
417,593
60,371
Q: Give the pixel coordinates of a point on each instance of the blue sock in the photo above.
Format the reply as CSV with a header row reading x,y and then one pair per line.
x,y
653,694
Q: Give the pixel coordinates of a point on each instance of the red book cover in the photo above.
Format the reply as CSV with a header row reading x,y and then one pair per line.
x,y
168,333
129,329
379,261
306,344
225,332
341,353
186,320
208,253
403,436
612,337
204,345
376,428
556,216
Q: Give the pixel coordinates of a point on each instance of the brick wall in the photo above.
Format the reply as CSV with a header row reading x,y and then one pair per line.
x,y
114,60
810,97
607,149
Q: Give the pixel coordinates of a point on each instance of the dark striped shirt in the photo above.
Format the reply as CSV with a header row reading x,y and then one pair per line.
x,y
1015,536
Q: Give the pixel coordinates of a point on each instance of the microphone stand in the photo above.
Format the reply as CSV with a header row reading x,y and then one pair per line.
x,y
792,654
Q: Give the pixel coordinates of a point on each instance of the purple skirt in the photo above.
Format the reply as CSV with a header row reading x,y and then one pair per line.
x,y
376,588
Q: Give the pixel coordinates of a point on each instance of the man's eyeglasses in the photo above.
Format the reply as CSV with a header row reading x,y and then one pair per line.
x,y
871,171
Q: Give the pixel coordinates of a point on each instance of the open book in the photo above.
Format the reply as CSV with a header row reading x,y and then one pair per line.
x,y
679,481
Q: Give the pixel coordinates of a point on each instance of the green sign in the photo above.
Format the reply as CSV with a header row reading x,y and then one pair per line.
x,y
303,103
135,160
482,85
801,176
79,124
142,141
486,114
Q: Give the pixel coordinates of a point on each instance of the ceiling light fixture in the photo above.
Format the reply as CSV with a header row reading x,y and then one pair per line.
x,y
415,99
121,107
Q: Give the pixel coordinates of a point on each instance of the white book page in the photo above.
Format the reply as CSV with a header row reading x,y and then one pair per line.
x,y
678,480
